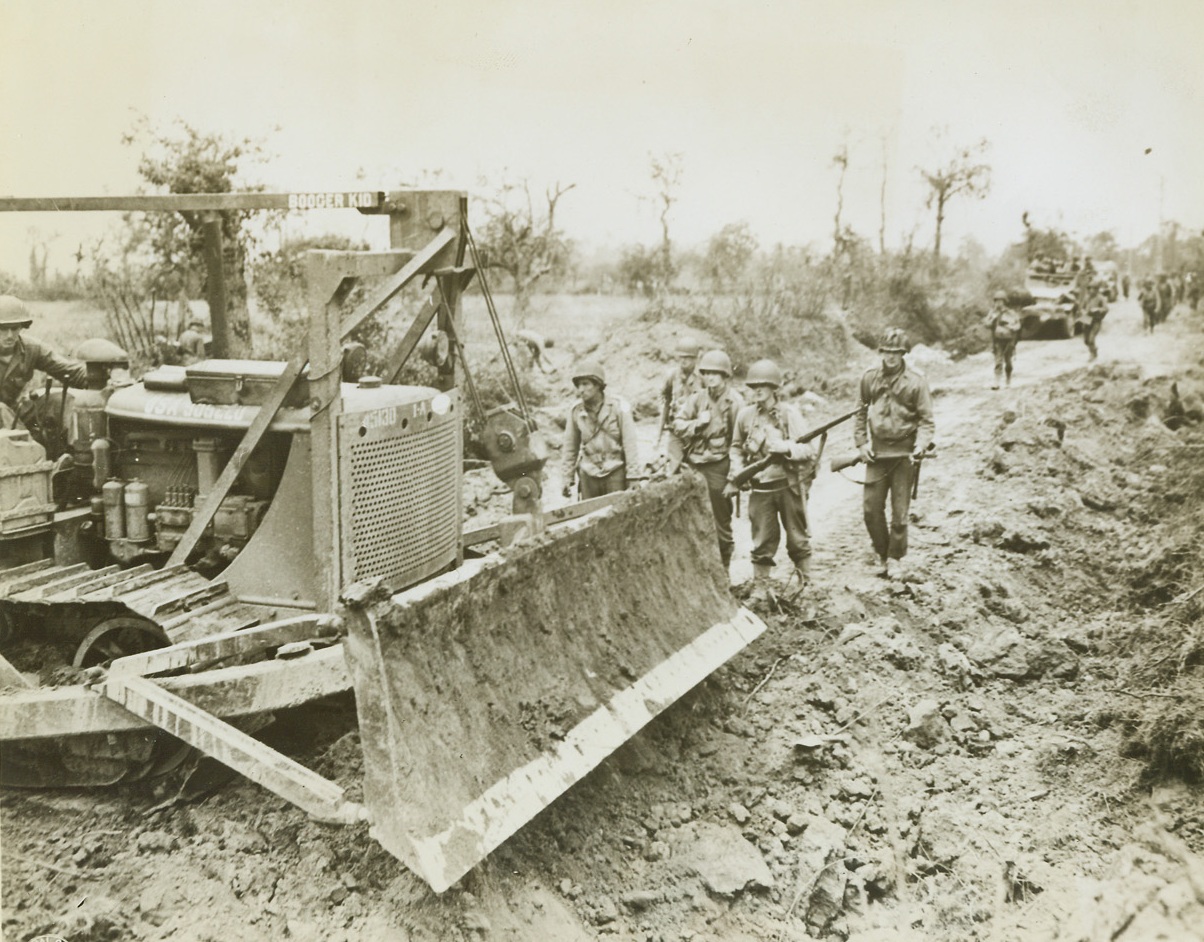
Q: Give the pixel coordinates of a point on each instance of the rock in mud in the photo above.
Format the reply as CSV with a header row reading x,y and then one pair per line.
x,y
1002,652
726,862
926,727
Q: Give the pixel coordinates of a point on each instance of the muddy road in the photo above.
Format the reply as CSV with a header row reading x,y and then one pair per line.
x,y
946,758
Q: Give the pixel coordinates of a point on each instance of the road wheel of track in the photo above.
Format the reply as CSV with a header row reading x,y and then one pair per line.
x,y
116,637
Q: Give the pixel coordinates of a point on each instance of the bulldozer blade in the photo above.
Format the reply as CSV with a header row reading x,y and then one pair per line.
x,y
485,693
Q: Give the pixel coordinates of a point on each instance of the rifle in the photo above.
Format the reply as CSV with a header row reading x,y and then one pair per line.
x,y
750,472
847,461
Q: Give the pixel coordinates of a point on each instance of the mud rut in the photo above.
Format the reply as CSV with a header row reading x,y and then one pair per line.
x,y
853,775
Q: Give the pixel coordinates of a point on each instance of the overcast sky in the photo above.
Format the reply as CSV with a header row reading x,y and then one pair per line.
x,y
757,96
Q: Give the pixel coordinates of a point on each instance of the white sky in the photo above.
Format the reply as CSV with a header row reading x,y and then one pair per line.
x,y
756,96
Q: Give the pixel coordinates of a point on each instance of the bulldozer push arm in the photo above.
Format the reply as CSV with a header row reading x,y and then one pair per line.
x,y
752,470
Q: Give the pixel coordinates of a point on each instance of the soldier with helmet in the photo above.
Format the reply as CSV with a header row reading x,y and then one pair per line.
x,y
21,356
1096,310
682,380
892,430
779,493
1004,324
599,438
705,423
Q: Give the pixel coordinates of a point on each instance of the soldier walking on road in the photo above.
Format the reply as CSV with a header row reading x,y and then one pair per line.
x,y
599,439
1005,332
681,381
21,356
892,430
779,493
1096,310
705,423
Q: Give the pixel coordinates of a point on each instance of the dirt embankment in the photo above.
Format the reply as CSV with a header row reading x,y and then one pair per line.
x,y
1004,746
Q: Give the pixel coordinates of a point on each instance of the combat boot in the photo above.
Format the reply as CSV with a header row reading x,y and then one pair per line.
x,y
762,587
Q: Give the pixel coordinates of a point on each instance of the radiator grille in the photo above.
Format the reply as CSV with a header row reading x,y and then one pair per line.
x,y
403,519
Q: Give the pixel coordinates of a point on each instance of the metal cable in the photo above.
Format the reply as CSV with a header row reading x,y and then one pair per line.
x,y
511,372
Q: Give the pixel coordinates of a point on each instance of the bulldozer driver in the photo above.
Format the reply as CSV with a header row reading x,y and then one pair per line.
x,y
599,438
705,423
680,381
19,357
779,492
892,430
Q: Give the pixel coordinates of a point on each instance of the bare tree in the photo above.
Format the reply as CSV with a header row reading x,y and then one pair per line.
x,y
882,202
666,178
964,173
522,240
841,160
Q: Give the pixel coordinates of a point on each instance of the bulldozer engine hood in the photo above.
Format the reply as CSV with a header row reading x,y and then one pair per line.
x,y
382,404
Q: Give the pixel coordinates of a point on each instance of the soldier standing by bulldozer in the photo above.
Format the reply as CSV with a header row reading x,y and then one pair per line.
x,y
1095,310
20,357
706,422
681,381
765,427
1005,332
599,438
892,431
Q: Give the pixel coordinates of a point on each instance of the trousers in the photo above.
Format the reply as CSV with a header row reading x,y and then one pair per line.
x,y
715,474
589,486
895,482
765,510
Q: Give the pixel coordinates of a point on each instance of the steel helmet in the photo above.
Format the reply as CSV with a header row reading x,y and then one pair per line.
x,y
13,312
715,361
590,370
687,347
764,373
894,340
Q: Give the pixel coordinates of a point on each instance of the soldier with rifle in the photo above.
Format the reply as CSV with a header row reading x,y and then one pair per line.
x,y
20,356
893,431
705,423
680,381
773,453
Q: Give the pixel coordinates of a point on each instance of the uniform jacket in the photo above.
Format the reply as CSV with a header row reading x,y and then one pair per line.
x,y
602,442
1004,323
894,412
756,428
714,441
1097,308
674,389
30,355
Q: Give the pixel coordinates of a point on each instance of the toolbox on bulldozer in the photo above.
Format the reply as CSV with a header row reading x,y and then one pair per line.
x,y
239,537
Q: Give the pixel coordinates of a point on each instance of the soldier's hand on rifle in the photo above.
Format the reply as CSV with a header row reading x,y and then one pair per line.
x,y
730,490
703,420
866,453
780,447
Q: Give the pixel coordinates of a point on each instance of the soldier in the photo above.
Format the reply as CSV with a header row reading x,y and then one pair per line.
x,y
779,493
1124,285
705,423
680,381
192,343
599,438
1005,332
1096,310
20,356
892,430
1147,297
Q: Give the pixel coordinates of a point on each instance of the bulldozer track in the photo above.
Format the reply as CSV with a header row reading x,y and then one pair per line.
x,y
103,614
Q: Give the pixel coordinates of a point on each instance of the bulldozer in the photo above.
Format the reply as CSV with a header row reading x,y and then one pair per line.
x,y
223,541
